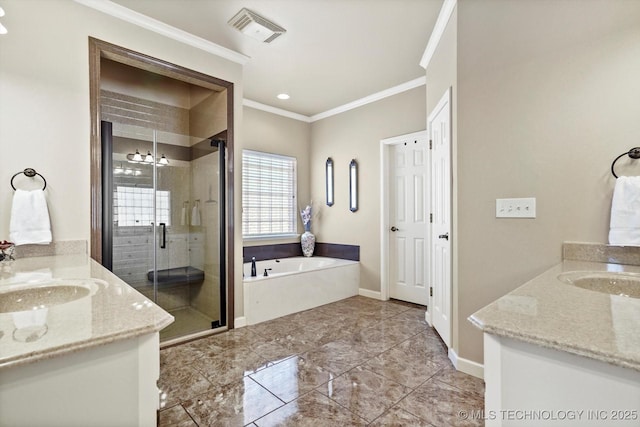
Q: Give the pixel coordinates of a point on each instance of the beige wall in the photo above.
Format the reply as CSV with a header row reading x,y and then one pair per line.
x,y
548,95
271,133
356,134
44,103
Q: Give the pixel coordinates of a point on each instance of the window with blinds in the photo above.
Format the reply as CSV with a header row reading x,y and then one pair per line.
x,y
268,194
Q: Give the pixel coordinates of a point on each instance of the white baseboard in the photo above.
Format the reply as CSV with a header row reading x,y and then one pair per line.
x,y
467,366
427,318
239,322
370,294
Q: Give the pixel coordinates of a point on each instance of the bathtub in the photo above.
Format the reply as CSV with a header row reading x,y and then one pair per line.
x,y
297,284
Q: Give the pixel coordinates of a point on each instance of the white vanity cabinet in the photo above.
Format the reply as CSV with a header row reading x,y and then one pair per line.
x,y
564,349
90,361
529,385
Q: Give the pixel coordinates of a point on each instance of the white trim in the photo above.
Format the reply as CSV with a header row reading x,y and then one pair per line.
x,y
385,145
438,30
412,84
427,317
402,138
274,110
370,294
239,322
465,365
136,18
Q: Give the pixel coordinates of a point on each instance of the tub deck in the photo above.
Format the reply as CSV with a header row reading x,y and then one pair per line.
x,y
284,293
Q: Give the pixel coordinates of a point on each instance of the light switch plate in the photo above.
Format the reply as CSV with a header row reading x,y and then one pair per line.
x,y
516,208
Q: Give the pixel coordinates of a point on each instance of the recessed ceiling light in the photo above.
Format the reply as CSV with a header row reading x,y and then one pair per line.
x,y
283,96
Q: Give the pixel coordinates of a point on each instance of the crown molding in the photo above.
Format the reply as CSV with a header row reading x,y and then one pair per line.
x,y
133,17
412,84
438,30
279,111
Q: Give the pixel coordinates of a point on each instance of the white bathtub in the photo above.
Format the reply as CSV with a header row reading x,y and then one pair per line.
x,y
297,284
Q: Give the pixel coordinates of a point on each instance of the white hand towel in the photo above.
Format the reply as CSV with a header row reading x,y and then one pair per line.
x,y
195,215
183,217
625,212
29,218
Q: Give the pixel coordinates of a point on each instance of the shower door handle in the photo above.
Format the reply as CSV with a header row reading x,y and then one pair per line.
x,y
163,241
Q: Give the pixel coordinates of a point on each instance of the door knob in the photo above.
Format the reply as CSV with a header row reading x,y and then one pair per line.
x,y
444,236
394,229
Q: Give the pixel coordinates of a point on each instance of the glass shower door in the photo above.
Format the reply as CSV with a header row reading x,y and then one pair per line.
x,y
165,225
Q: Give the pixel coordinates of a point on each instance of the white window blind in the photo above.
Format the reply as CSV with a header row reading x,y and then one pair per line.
x,y
268,194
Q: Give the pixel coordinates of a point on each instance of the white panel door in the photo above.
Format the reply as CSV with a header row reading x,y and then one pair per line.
x,y
440,133
408,219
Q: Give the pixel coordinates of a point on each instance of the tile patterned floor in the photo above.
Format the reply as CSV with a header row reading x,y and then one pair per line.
x,y
356,362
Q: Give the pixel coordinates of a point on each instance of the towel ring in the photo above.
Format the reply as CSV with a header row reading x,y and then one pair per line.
x,y
634,153
30,172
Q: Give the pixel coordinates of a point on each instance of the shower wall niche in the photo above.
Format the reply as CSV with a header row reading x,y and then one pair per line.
x,y
163,159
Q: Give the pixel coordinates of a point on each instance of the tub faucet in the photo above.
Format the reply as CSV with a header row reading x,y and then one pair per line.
x,y
254,273
265,272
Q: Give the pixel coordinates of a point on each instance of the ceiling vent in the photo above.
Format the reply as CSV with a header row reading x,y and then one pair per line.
x,y
255,26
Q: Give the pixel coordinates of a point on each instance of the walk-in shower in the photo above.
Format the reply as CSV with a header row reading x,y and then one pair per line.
x,y
162,232
165,136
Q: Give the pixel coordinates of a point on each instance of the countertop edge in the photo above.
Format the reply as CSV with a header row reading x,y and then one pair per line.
x,y
26,359
602,357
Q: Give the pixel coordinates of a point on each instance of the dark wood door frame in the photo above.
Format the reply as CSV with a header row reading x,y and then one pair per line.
x,y
99,49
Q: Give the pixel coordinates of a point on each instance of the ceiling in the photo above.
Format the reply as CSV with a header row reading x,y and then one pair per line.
x,y
334,51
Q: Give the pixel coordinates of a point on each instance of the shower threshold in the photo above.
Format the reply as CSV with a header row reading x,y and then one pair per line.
x,y
188,321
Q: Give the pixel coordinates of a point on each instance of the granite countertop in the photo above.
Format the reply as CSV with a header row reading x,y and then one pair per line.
x,y
108,310
550,313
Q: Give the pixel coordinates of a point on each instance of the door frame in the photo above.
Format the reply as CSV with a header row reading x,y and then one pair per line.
x,y
100,49
385,206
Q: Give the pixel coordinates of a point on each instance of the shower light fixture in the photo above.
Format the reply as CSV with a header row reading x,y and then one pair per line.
x,y
147,159
283,96
134,158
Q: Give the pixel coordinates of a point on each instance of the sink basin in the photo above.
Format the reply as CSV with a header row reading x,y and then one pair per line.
x,y
622,284
38,297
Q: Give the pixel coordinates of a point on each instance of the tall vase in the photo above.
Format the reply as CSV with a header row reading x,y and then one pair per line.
x,y
308,242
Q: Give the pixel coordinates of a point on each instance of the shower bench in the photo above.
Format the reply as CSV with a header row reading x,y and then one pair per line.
x,y
177,276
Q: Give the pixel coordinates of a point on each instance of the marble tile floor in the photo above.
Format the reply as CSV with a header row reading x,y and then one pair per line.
x,y
356,362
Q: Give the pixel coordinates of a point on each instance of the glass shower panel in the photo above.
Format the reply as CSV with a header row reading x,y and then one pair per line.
x,y
133,218
166,227
188,271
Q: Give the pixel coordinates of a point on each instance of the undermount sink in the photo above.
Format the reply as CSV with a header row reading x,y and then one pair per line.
x,y
41,296
622,284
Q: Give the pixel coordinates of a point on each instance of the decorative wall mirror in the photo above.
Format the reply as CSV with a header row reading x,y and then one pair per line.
x,y
353,186
329,181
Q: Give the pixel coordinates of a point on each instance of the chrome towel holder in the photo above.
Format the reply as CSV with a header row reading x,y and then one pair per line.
x,y
634,153
30,172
